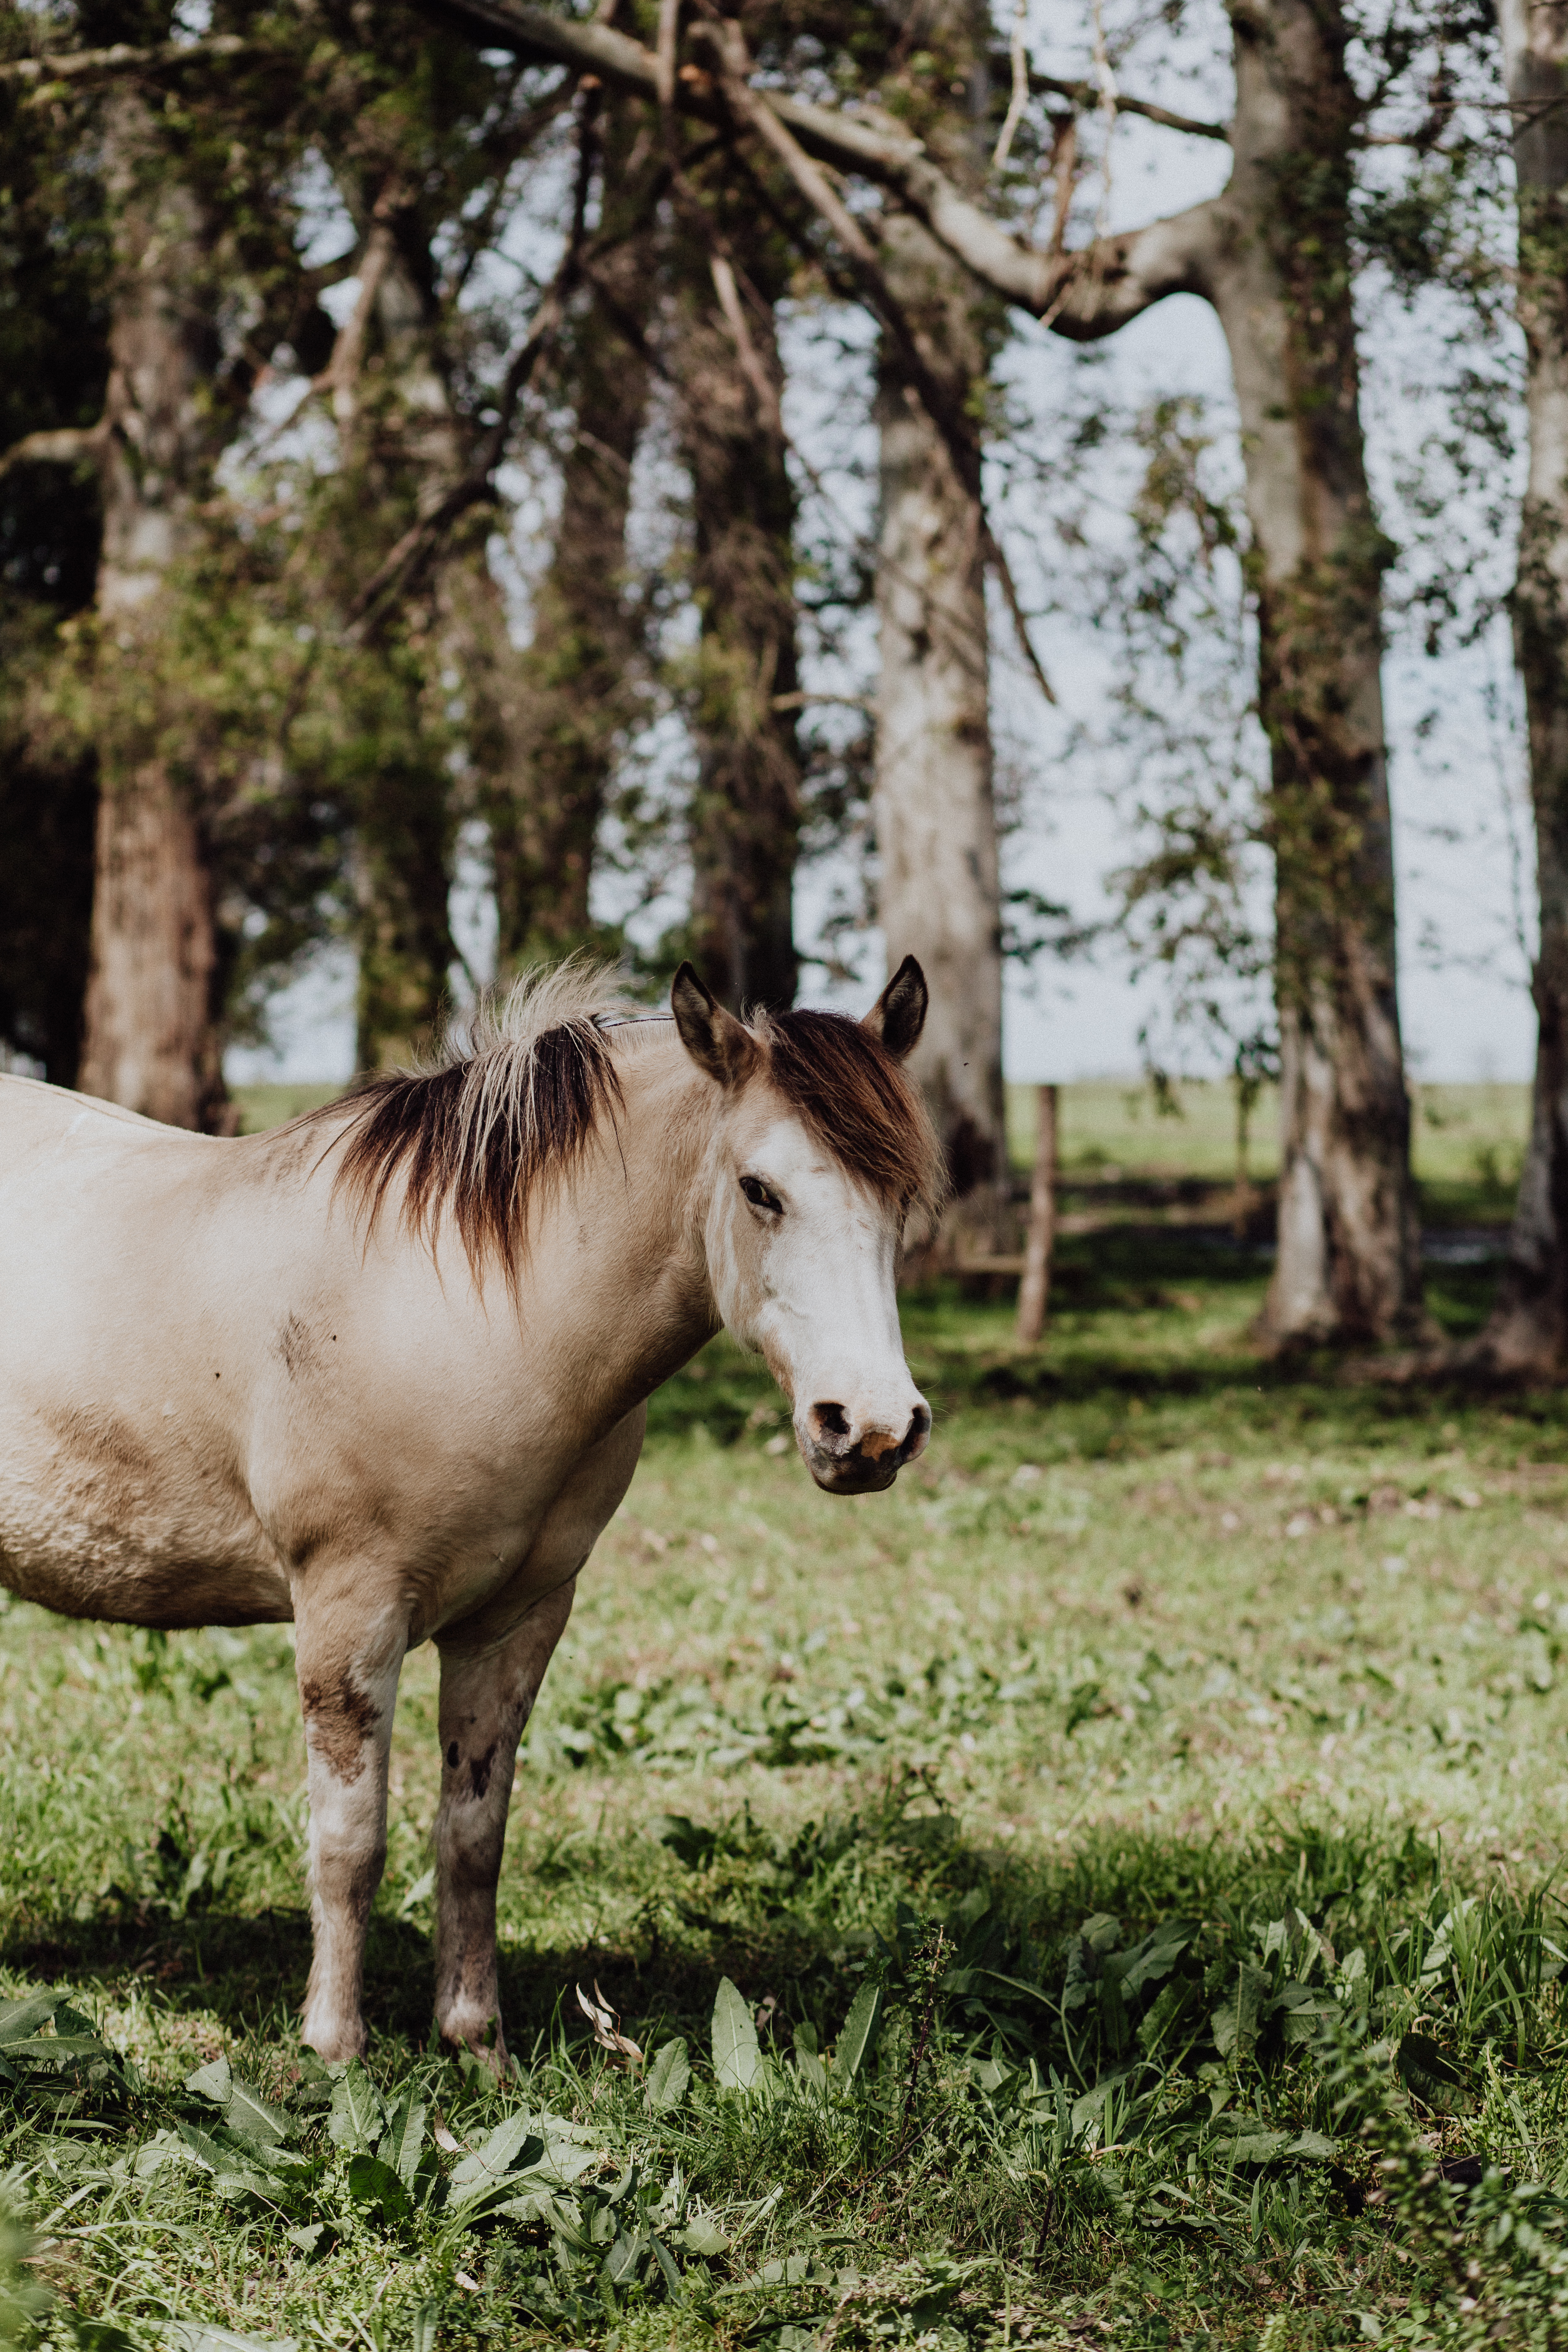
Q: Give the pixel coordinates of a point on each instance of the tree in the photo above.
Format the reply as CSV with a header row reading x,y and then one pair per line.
x,y
569,697
933,810
1526,1333
728,270
202,277
1274,256
54,362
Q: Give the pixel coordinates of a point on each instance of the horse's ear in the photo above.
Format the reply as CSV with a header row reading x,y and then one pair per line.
x,y
900,1013
715,1040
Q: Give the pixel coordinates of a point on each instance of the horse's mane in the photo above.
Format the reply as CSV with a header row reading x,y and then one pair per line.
x,y
520,1087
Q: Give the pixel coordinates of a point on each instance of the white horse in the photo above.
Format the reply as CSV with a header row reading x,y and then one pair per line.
x,y
382,1371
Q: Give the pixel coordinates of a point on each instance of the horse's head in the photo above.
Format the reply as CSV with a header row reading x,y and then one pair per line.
x,y
820,1149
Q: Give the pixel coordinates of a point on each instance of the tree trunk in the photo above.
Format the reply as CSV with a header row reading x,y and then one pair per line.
x,y
401,440
1349,1262
1526,1333
568,701
153,1038
745,818
935,821
153,1033
933,809
1273,256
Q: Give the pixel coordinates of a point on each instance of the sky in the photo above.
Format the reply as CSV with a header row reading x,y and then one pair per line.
x,y
1455,764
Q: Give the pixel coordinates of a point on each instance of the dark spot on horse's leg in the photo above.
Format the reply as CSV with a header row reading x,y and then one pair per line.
x,y
341,1717
479,1770
452,1754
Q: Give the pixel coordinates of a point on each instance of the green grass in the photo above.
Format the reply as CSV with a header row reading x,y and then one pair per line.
x,y
1171,1770
261,1107
1462,1136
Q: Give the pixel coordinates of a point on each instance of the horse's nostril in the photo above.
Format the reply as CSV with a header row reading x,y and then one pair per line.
x,y
920,1422
831,1418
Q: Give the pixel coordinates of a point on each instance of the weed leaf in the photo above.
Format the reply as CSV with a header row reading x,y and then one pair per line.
x,y
668,2079
859,2037
20,2020
737,2054
250,2116
808,2065
489,2165
357,2115
624,2257
404,2138
375,2184
213,2082
703,2236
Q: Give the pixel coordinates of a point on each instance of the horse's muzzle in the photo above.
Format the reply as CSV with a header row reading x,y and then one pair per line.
x,y
847,1458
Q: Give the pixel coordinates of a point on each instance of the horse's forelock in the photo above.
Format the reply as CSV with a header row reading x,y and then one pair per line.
x,y
857,1102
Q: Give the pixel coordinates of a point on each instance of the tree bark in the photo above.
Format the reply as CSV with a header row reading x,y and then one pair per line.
x,y
154,1041
1526,1335
744,825
569,698
1273,256
400,438
152,1024
939,893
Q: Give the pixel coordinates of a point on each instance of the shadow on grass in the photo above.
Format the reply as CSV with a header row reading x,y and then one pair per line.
x,y
770,1912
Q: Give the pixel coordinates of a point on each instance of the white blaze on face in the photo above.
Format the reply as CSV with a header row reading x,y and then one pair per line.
x,y
802,1259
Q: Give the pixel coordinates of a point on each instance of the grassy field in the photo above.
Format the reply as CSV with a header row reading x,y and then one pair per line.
x,y
1465,1138
1085,1895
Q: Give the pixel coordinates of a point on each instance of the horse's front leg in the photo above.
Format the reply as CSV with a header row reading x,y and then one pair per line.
x,y
348,1669
487,1697
491,1668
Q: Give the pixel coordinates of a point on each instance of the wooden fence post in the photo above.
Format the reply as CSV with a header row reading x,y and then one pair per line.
x,y
1035,1289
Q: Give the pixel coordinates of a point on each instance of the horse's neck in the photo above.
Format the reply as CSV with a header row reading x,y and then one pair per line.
x,y
644,1296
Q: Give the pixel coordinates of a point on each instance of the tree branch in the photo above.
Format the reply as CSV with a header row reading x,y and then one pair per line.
x,y
1021,274
82,64
1089,94
958,434
65,445
1103,285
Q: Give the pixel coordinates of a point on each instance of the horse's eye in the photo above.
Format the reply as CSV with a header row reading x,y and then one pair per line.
x,y
757,1193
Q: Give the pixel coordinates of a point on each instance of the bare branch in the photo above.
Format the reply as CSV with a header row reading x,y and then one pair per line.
x,y
1089,94
65,445
81,65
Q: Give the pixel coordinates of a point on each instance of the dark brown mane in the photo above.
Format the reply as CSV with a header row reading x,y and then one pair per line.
x,y
857,1102
482,1137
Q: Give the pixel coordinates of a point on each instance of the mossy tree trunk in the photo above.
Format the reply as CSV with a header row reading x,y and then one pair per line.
x,y
152,1034
1527,1334
400,441
743,821
569,700
1273,256
935,819
933,810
